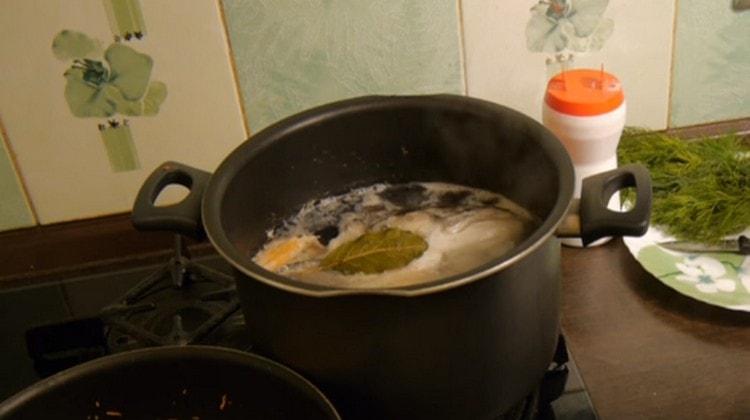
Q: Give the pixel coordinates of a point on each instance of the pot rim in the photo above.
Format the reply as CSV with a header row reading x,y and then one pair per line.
x,y
236,160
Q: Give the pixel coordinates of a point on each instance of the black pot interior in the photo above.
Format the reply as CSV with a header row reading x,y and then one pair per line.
x,y
173,382
354,143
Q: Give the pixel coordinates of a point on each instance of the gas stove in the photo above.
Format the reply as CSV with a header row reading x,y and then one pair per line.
x,y
184,302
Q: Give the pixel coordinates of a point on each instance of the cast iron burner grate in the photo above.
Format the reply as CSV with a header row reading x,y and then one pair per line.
x,y
181,303
178,304
538,404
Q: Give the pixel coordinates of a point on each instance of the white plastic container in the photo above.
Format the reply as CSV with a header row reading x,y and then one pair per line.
x,y
586,110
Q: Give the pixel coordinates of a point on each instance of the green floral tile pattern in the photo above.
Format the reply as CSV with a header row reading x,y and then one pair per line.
x,y
711,71
720,279
14,213
125,18
118,141
292,55
107,83
565,26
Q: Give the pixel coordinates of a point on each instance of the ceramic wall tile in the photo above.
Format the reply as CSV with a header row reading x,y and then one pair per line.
x,y
711,73
292,55
96,94
14,211
632,38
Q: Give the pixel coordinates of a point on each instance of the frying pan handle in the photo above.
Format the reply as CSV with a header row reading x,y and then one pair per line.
x,y
597,221
183,217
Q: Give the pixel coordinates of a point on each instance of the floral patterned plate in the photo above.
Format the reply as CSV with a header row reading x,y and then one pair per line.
x,y
721,279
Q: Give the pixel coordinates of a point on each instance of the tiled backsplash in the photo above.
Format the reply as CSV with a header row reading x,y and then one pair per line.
x,y
131,83
293,55
711,71
89,116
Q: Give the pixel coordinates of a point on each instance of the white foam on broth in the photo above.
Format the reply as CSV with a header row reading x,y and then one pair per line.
x,y
463,227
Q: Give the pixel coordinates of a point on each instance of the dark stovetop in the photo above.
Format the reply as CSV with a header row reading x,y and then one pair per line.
x,y
79,297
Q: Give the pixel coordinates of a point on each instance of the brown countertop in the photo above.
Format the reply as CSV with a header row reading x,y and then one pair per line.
x,y
646,351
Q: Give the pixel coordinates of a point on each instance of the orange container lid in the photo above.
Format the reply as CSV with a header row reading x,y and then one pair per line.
x,y
584,92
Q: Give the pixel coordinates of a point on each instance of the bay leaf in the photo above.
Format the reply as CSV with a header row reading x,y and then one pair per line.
x,y
375,252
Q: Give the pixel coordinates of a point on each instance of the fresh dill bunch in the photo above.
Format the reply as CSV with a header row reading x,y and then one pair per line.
x,y
701,187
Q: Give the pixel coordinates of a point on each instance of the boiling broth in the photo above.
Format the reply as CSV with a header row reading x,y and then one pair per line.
x,y
460,228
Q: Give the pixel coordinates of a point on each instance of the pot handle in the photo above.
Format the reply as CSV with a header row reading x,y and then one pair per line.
x,y
183,217
590,218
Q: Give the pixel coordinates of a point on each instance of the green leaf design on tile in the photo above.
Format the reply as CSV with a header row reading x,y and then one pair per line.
x,y
122,104
131,70
586,16
157,92
118,141
118,83
566,25
103,88
125,18
375,252
94,72
71,44
86,99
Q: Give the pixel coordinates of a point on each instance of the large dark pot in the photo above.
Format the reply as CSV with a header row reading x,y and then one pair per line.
x,y
467,346
172,382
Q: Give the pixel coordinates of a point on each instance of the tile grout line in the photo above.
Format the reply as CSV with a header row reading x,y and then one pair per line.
x,y
740,126
233,65
673,56
462,47
17,171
